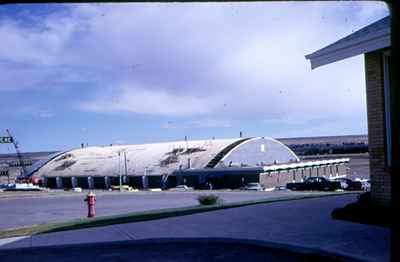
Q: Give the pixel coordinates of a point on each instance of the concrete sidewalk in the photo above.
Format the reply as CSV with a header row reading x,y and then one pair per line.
x,y
305,223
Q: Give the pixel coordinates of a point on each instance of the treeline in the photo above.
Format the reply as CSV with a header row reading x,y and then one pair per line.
x,y
323,149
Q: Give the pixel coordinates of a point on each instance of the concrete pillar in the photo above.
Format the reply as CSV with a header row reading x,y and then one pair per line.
x,y
90,182
59,183
164,181
310,172
202,179
125,180
107,182
294,174
342,169
44,181
74,182
179,178
145,182
337,169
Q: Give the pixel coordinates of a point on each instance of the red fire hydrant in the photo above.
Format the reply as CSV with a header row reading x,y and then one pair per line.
x,y
91,202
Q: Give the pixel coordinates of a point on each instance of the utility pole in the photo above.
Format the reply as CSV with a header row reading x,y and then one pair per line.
x,y
144,179
119,170
126,167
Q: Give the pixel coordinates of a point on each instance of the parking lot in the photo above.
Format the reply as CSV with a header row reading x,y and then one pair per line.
x,y
301,223
23,209
28,208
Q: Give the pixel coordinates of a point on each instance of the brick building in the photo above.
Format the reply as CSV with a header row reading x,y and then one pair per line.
x,y
374,41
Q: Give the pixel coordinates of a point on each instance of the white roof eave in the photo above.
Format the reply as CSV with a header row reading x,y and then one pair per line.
x,y
287,167
371,42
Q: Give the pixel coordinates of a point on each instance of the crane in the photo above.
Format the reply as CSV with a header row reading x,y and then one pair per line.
x,y
21,162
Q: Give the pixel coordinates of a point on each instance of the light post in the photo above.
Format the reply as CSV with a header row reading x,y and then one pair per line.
x,y
144,179
119,171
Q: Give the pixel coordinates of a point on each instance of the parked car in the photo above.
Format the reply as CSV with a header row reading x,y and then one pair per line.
x,y
315,183
122,187
365,184
348,184
182,188
253,187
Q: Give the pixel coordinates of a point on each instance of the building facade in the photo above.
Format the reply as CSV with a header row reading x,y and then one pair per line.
x,y
374,41
157,164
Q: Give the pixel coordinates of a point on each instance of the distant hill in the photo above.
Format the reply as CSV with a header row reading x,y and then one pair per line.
x,y
325,140
327,144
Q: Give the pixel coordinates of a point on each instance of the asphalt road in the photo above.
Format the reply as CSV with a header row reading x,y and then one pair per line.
x,y
38,208
306,223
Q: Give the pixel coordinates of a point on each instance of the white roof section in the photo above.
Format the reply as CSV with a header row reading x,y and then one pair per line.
x,y
272,168
259,151
157,158
370,38
287,167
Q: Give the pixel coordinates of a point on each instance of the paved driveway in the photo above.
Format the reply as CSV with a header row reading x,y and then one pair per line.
x,y
28,209
304,223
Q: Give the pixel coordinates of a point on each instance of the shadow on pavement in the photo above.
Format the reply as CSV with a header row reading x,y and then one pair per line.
x,y
189,249
364,211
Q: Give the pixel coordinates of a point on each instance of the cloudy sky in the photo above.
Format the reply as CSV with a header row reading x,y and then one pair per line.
x,y
138,73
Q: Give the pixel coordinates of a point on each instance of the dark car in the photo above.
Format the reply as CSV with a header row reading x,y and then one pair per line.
x,y
348,184
315,183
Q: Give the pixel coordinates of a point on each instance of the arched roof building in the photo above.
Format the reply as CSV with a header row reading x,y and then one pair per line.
x,y
165,158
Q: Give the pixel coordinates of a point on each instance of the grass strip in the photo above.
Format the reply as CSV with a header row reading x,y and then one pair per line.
x,y
146,215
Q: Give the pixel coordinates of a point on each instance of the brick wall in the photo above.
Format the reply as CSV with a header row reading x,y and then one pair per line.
x,y
380,177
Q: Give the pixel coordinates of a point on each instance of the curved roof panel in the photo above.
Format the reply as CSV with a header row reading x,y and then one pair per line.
x,y
152,159
163,158
259,151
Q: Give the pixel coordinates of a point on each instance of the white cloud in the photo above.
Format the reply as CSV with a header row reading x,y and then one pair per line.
x,y
200,123
217,61
148,101
36,112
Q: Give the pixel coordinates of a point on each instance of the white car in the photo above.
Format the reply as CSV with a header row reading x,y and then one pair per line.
x,y
365,184
253,187
182,188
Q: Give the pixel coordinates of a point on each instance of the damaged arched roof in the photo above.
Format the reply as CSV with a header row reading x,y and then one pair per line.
x,y
155,159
